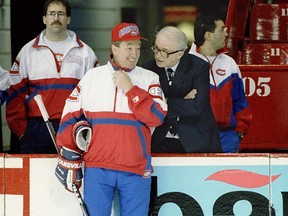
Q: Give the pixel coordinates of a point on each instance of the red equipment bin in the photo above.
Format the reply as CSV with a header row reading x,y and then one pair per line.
x,y
265,53
266,89
236,20
269,22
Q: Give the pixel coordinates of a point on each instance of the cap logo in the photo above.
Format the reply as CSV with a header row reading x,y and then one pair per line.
x,y
132,30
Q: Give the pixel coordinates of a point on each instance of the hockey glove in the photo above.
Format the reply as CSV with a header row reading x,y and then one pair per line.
x,y
82,135
69,168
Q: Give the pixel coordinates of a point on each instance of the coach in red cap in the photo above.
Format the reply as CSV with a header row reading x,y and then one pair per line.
x,y
111,115
125,47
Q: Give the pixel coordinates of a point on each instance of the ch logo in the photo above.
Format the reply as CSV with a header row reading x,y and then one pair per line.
x,y
221,72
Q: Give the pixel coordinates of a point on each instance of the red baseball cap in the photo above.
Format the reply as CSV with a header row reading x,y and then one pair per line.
x,y
126,32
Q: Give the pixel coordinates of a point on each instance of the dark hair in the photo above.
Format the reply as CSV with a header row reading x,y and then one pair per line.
x,y
204,22
63,2
117,43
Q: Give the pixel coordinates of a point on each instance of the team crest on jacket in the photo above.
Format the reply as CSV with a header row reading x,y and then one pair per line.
x,y
155,91
221,72
15,68
147,174
74,96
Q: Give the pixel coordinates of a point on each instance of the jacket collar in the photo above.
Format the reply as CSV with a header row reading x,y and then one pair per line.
x,y
117,67
39,40
194,50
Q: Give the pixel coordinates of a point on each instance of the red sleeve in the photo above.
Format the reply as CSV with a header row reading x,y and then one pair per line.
x,y
16,113
147,108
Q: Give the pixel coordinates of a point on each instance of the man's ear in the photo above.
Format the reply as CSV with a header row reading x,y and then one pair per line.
x,y
69,20
207,35
180,54
44,19
113,48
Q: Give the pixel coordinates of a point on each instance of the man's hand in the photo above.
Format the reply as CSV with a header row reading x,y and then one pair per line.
x,y
122,80
69,168
191,94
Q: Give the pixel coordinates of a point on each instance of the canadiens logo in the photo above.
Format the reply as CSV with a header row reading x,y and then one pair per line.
x,y
147,174
155,91
221,72
132,30
134,33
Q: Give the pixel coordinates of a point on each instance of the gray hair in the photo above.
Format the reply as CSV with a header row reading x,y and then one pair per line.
x,y
175,34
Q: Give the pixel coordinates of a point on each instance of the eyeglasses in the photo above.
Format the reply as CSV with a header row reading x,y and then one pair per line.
x,y
163,53
52,14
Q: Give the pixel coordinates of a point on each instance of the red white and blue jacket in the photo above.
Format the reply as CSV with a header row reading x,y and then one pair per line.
x,y
121,123
36,71
227,96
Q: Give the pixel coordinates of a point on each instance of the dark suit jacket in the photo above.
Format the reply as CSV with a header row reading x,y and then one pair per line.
x,y
197,128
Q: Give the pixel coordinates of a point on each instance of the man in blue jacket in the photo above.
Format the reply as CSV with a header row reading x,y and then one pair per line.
x,y
189,125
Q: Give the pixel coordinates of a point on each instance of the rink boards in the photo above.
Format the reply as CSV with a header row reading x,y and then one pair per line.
x,y
195,184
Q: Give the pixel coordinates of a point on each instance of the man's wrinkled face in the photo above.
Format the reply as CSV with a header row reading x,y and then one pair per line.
x,y
164,46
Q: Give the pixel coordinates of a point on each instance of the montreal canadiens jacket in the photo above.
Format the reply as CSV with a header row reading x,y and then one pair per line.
x,y
36,71
121,123
227,95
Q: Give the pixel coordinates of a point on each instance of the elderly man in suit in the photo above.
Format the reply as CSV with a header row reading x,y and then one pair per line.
x,y
189,125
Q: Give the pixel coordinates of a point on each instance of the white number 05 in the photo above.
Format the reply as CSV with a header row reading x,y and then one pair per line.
x,y
262,89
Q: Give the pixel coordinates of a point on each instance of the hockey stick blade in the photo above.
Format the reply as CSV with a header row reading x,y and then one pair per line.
x,y
79,199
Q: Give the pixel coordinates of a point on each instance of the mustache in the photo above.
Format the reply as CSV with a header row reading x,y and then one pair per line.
x,y
56,22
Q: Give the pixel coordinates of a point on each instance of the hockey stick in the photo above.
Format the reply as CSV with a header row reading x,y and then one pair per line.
x,y
80,200
44,113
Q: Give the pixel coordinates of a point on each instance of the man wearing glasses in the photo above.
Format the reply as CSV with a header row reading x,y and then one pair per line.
x,y
50,65
189,125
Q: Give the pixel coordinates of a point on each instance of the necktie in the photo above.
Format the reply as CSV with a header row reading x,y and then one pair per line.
x,y
172,122
170,73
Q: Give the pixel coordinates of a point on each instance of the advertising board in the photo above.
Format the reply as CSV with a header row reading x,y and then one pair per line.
x,y
182,185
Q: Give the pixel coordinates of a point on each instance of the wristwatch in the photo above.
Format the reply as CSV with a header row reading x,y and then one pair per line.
x,y
241,135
